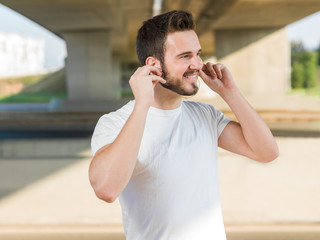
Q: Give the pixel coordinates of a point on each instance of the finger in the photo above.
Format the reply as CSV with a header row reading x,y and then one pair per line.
x,y
211,70
145,70
156,71
218,69
204,76
149,69
155,78
205,70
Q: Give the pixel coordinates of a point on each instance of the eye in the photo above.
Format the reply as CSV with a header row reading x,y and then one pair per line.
x,y
185,56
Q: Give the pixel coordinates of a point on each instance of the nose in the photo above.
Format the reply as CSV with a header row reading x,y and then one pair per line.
x,y
196,63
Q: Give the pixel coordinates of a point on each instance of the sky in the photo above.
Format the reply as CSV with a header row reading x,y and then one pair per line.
x,y
305,30
12,22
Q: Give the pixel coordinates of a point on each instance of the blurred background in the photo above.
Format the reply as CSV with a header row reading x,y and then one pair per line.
x,y
65,63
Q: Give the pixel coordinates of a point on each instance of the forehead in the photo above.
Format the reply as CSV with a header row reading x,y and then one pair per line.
x,y
179,42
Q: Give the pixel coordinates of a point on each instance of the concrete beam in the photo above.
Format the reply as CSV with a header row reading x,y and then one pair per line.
x,y
265,13
62,16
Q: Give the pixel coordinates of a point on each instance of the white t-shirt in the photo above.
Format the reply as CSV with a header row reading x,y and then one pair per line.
x,y
173,192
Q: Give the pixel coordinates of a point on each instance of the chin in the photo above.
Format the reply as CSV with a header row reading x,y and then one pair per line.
x,y
186,89
190,93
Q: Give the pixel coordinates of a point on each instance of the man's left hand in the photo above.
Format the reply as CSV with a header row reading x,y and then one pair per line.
x,y
217,77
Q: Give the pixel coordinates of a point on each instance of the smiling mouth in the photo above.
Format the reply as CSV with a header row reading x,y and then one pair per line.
x,y
192,75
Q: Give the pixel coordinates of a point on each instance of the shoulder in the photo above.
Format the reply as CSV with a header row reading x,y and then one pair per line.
x,y
119,115
109,126
200,107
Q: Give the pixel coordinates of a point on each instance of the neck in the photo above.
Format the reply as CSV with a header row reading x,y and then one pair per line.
x,y
165,99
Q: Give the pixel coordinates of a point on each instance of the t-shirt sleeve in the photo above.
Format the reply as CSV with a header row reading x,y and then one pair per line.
x,y
104,133
222,121
219,118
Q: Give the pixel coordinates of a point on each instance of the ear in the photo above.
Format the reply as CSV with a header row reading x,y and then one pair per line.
x,y
153,62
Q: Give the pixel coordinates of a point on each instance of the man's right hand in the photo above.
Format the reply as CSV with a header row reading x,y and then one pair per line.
x,y
142,83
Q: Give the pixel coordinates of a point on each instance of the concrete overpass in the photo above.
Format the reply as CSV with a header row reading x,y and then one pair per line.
x,y
247,35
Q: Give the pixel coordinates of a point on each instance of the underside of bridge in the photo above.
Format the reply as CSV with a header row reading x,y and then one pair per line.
x,y
246,35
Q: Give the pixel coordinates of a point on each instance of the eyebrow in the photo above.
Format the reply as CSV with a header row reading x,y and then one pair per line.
x,y
188,52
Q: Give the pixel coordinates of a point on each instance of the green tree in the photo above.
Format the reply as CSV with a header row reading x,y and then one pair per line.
x,y
318,51
310,63
297,75
303,65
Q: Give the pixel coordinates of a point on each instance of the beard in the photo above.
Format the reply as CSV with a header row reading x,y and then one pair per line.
x,y
176,84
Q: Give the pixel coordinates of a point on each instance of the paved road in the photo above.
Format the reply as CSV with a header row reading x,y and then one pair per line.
x,y
103,232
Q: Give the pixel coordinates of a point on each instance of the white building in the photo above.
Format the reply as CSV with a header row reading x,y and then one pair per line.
x,y
20,56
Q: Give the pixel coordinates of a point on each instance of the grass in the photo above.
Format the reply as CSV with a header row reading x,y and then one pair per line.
x,y
317,75
51,86
32,97
26,80
126,94
312,92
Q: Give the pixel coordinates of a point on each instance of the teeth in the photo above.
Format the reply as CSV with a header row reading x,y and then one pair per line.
x,y
192,76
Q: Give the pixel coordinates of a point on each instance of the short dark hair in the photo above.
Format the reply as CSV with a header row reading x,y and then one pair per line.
x,y
153,33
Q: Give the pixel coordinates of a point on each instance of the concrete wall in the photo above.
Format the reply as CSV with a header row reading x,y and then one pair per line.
x,y
259,59
92,73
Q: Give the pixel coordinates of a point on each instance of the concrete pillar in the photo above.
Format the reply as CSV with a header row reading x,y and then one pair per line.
x,y
92,74
259,59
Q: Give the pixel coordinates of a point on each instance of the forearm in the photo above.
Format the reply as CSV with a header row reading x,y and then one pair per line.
x,y
255,131
112,166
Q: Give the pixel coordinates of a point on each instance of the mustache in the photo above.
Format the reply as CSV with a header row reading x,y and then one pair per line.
x,y
191,72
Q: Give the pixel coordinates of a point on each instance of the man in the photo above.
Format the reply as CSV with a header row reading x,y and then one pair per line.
x,y
159,153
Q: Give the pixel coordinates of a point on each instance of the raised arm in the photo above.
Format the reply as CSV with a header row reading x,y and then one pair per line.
x,y
112,166
250,136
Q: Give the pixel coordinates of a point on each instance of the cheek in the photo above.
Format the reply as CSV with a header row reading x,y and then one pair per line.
x,y
181,67
175,69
